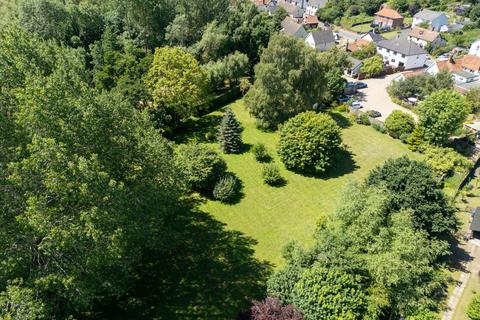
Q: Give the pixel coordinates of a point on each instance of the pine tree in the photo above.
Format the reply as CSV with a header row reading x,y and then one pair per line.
x,y
229,135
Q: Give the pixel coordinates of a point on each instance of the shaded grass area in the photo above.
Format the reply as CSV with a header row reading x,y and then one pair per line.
x,y
275,215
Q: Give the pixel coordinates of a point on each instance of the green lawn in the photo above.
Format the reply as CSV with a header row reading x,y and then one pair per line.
x,y
273,216
361,28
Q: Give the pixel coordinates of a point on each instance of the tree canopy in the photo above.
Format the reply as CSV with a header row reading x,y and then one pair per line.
x,y
308,142
441,114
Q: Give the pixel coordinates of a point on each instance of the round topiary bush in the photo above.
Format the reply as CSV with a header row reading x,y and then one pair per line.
x,y
399,123
271,175
201,165
308,141
260,153
225,189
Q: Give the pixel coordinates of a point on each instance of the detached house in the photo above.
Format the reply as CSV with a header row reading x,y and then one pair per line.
x,y
435,20
402,53
387,17
291,28
313,6
424,37
321,40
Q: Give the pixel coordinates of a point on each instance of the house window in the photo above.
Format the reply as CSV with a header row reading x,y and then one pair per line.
x,y
403,56
393,60
401,64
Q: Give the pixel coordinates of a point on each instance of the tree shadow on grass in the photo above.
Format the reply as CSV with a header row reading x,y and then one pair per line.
x,y
342,164
198,129
204,271
459,257
341,120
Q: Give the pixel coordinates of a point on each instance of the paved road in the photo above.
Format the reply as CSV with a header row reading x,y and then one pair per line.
x,y
375,97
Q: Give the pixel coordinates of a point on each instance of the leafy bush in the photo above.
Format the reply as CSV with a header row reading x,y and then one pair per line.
x,y
201,165
226,188
398,123
260,153
422,85
363,119
342,108
473,310
271,175
445,160
379,128
308,141
372,66
405,137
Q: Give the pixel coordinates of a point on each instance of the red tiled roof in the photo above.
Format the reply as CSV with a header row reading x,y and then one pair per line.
x,y
424,34
471,62
311,20
389,13
355,46
450,65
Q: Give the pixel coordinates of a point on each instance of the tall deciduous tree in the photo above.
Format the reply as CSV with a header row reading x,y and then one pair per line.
x,y
413,185
441,114
289,79
230,133
329,294
177,83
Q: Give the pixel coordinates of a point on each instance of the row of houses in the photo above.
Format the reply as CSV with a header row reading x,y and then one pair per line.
x,y
432,20
321,40
296,9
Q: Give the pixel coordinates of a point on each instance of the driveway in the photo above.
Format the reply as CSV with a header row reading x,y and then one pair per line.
x,y
375,97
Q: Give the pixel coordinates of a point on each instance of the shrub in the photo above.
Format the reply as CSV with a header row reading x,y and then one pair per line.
x,y
210,136
226,188
201,165
379,127
405,137
260,153
473,310
308,141
342,108
398,123
363,119
271,175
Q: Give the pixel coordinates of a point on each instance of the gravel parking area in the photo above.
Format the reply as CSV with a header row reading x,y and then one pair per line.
x,y
375,97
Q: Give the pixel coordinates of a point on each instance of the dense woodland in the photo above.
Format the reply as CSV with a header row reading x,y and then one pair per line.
x,y
99,207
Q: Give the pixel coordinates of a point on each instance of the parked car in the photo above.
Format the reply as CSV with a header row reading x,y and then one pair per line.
x,y
361,85
343,99
385,29
373,113
356,105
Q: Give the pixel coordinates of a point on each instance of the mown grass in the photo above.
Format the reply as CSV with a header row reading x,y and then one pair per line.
x,y
275,215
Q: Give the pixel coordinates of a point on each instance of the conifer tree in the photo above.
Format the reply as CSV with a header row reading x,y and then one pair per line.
x,y
229,135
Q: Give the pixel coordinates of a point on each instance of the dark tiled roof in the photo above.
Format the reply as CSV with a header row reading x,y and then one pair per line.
x,y
402,46
324,36
428,15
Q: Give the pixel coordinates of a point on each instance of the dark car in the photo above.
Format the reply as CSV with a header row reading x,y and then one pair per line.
x,y
361,85
373,113
344,99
